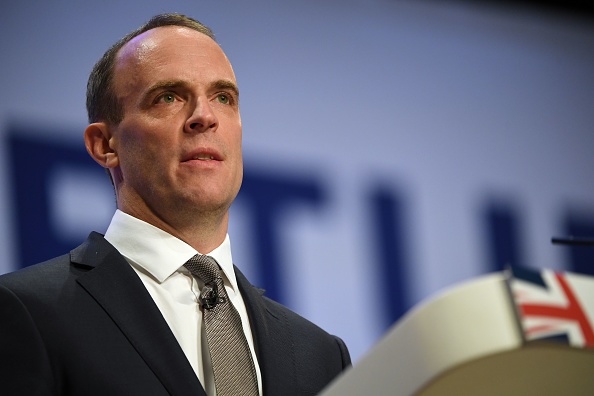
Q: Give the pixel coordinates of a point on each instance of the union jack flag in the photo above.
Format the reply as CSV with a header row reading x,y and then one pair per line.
x,y
555,306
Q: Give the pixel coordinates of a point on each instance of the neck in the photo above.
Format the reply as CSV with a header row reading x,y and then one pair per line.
x,y
203,230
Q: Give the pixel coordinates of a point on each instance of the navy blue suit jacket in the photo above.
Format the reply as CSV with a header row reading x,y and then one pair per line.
x,y
84,324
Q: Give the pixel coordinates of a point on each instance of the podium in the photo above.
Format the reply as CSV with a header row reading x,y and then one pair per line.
x,y
489,336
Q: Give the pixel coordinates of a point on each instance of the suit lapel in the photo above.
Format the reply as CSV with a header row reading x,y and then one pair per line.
x,y
117,288
273,341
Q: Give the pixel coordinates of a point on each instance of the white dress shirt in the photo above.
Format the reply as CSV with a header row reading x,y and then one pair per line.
x,y
158,258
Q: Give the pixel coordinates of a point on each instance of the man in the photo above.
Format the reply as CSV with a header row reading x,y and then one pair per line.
x,y
122,314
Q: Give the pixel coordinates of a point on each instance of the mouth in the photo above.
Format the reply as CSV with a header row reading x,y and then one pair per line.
x,y
202,155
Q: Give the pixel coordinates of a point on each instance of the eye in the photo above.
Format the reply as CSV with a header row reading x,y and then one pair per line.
x,y
167,98
223,98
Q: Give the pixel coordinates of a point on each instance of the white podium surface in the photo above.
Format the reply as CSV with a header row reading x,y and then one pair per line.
x,y
467,341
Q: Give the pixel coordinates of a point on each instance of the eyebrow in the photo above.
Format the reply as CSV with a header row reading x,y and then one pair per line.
x,y
163,86
228,85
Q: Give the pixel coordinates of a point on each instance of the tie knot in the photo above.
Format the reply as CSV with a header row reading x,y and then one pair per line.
x,y
203,267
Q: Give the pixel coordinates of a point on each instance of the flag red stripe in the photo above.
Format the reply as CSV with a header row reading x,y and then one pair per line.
x,y
573,311
541,329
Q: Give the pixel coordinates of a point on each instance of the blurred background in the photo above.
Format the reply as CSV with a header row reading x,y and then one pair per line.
x,y
393,148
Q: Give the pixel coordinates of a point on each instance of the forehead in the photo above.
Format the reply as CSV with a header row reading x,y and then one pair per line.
x,y
171,52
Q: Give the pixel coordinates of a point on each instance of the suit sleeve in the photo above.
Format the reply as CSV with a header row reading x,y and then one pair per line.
x,y
344,353
24,363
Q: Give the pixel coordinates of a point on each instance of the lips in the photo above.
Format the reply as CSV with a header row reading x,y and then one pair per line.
x,y
202,155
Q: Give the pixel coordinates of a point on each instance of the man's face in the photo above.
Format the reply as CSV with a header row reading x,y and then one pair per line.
x,y
179,143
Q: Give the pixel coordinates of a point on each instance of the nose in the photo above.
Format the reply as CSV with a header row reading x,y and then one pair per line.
x,y
202,118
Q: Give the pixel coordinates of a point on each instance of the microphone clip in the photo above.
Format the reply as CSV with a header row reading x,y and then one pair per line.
x,y
209,296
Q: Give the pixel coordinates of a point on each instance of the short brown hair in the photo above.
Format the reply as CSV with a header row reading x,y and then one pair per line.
x,y
102,102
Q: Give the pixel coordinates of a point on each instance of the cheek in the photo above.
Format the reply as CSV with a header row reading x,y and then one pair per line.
x,y
238,156
142,150
234,146
236,140
239,164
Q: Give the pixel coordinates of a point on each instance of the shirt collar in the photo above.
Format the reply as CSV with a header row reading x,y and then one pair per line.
x,y
158,252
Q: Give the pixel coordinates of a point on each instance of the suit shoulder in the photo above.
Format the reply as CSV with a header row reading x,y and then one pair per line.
x,y
41,283
38,275
308,337
297,322
60,269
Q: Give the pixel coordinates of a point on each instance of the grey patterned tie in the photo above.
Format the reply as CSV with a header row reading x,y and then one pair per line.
x,y
234,371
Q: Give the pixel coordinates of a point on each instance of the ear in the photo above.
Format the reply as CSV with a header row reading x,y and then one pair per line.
x,y
98,140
